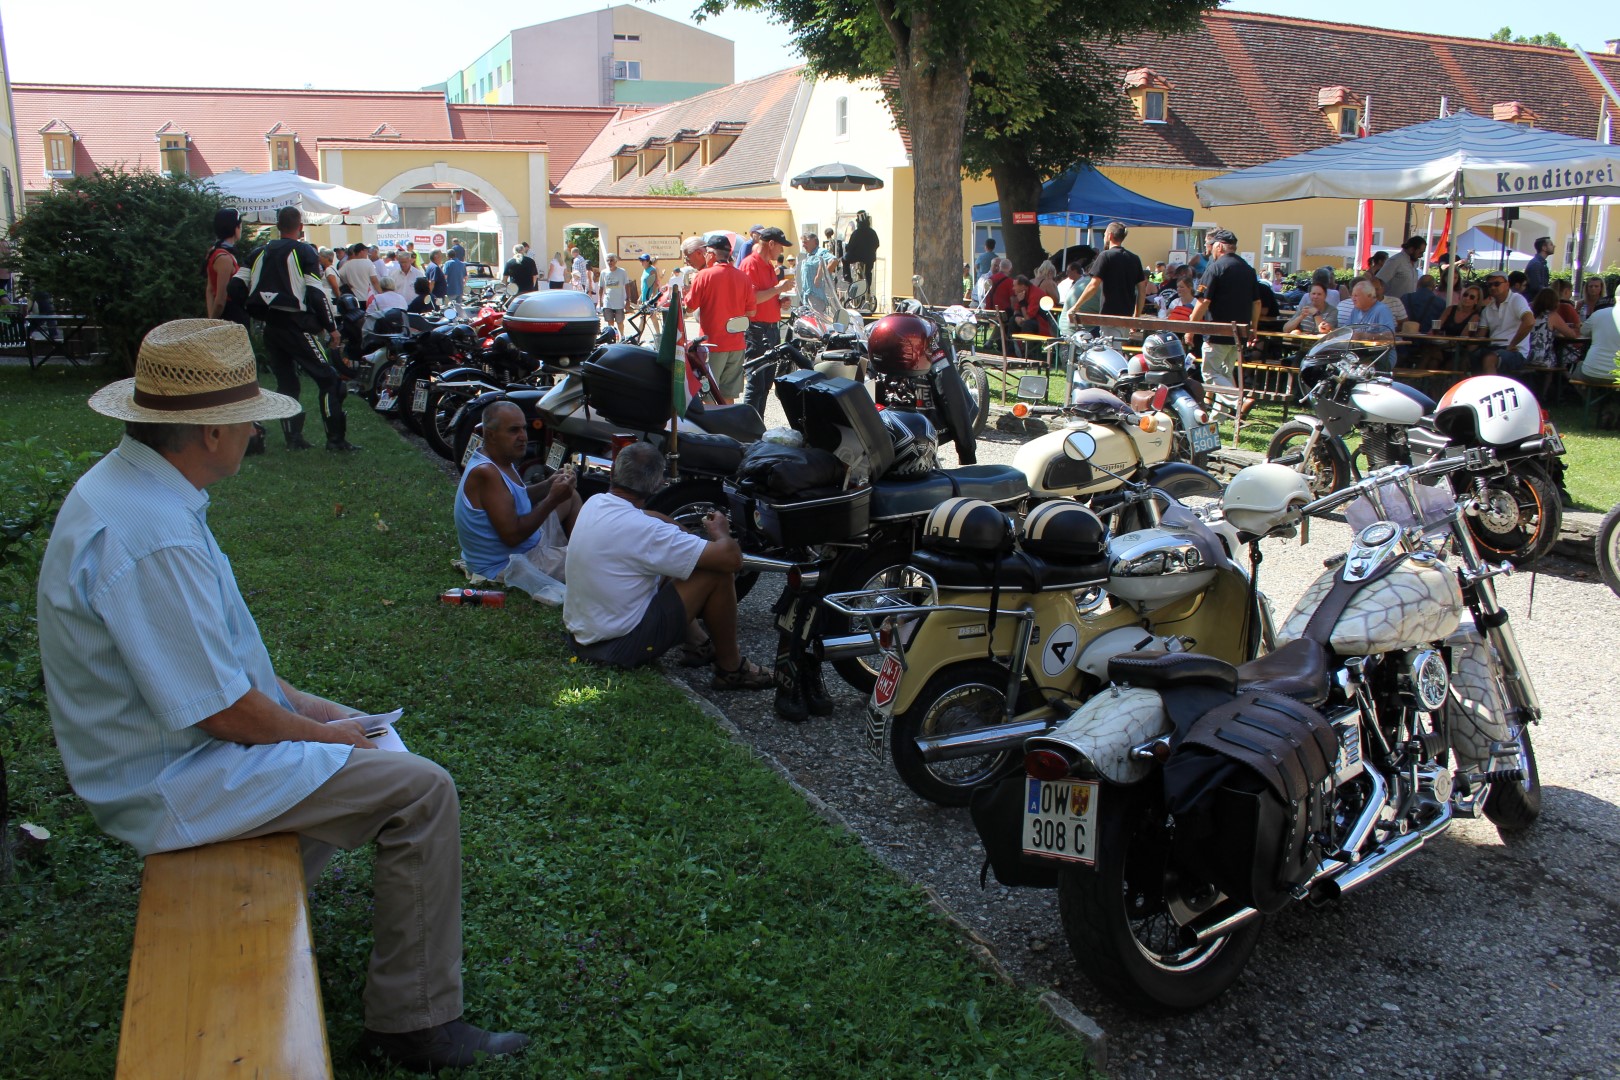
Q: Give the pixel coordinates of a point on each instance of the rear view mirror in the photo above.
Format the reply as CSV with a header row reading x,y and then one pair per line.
x,y
1046,303
1079,445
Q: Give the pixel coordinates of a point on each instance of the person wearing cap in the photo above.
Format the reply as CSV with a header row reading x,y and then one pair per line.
x,y
648,290
765,325
220,266
817,289
171,721
1226,294
283,287
723,298
747,247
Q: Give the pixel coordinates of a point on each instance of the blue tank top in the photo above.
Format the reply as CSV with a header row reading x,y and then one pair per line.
x,y
481,548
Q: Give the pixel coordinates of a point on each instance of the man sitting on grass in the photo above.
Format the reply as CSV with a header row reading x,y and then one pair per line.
x,y
498,516
636,580
172,723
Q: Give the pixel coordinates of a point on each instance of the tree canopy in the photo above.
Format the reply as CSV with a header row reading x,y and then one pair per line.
x,y
1549,38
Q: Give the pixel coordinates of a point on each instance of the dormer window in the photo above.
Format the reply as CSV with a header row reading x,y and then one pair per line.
x,y
58,155
1341,109
281,153
624,162
1150,95
717,139
651,155
682,145
172,151
1514,112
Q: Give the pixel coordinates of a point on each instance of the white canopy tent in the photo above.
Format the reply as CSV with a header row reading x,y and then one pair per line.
x,y
259,195
1461,159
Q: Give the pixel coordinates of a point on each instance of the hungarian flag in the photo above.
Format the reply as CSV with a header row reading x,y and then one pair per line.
x,y
672,354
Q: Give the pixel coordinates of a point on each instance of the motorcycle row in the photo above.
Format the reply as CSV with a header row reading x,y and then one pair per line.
x,y
1077,646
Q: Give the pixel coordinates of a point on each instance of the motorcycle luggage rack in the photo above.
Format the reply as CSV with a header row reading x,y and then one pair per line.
x,y
870,607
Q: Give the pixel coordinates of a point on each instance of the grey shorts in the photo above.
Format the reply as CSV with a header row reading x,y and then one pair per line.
x,y
662,627
611,313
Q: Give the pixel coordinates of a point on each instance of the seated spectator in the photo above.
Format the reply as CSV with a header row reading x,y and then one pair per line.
x,y
1554,343
999,294
1423,304
1508,323
423,304
1566,305
1462,319
1364,308
387,298
1397,310
636,580
498,516
1314,315
1594,297
1323,276
1180,303
1602,330
1024,306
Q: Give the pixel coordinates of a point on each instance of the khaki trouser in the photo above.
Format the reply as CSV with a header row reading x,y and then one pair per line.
x,y
408,805
727,369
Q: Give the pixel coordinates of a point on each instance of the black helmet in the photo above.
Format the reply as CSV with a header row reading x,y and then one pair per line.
x,y
916,446
1162,350
1064,532
969,526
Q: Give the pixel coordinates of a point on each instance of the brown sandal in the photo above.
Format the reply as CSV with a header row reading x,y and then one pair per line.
x,y
747,676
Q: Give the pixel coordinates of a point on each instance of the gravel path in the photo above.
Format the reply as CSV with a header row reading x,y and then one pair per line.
x,y
1476,958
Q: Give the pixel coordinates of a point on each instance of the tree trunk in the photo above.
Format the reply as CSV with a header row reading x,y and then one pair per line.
x,y
935,95
1018,187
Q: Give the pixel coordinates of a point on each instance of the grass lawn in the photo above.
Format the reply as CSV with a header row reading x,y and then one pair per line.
x,y
640,894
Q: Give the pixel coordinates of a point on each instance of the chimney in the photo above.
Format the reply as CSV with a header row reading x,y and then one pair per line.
x,y
1612,46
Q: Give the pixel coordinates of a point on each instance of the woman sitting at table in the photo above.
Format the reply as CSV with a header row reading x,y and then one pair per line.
x,y
1179,304
1594,297
1046,281
1555,345
1462,318
1315,315
1024,312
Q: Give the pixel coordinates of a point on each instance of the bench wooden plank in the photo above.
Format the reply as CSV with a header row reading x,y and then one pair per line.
x,y
222,979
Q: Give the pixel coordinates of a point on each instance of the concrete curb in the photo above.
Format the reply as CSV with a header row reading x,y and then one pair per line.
x,y
1065,1015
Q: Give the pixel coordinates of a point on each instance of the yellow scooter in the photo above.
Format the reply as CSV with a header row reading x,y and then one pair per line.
x,y
982,649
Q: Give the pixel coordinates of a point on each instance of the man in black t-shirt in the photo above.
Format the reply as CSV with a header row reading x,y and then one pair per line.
x,y
1226,294
1119,274
521,270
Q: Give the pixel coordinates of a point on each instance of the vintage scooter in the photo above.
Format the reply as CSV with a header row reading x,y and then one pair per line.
x,y
983,647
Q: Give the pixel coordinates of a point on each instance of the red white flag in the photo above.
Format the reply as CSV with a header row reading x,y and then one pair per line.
x,y
1364,221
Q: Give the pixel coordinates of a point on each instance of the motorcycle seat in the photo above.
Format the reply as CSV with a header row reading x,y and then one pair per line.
x,y
1017,571
1168,670
993,483
715,455
911,496
1298,670
739,421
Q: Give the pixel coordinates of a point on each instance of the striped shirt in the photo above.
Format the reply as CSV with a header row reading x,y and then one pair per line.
x,y
142,635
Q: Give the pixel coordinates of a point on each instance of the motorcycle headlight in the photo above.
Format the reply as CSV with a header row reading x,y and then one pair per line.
x,y
965,332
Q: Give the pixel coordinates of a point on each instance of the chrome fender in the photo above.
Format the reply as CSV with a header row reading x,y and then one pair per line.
x,y
1104,729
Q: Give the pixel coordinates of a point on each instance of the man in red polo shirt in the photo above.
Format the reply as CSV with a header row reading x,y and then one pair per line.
x,y
724,299
765,325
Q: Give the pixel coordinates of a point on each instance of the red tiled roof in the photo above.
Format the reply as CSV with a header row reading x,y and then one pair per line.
x,y
119,124
567,130
1247,85
673,202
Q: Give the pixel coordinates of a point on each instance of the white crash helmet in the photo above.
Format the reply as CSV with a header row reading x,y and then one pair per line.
x,y
1488,410
1264,497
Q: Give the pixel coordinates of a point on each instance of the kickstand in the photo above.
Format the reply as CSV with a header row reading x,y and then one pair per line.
x,y
1530,605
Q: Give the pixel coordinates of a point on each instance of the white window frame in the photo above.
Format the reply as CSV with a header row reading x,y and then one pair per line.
x,y
1164,107
1194,243
841,119
1377,240
627,71
164,150
1294,265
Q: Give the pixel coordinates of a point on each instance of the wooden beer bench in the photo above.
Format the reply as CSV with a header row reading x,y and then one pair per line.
x,y
222,979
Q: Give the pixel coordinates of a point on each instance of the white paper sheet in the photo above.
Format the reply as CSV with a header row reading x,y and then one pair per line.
x,y
390,739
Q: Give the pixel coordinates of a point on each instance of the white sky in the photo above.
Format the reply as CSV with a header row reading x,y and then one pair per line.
x,y
408,44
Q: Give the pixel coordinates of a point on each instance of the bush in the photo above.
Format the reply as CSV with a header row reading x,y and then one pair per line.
x,y
124,248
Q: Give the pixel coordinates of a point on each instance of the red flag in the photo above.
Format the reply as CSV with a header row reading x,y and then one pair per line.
x,y
1364,223
1440,245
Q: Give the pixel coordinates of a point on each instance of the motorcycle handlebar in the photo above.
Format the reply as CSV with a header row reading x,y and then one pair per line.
x,y
1391,474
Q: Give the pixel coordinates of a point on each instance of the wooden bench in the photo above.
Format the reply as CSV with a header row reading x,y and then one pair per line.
x,y
222,979
1592,394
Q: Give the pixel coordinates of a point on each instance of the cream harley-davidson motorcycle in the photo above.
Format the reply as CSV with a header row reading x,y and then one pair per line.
x,y
1179,807
987,642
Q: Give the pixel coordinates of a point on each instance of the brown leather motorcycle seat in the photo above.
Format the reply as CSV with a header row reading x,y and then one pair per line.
x,y
1298,670
1167,670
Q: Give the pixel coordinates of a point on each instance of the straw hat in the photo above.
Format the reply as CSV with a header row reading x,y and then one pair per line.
x,y
194,371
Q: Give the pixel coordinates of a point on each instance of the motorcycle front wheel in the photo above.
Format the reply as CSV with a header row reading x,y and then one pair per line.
x,y
1606,547
1519,517
1514,805
978,388
1117,916
963,696
1327,471
439,420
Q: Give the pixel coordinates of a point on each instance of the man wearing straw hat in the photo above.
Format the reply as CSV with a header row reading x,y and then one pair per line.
x,y
171,721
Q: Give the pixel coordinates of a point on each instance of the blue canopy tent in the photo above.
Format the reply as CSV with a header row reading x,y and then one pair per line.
x,y
1084,198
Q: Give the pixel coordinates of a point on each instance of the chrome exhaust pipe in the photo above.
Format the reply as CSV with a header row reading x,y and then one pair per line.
x,y
1364,824
1214,925
763,565
985,740
844,647
1336,882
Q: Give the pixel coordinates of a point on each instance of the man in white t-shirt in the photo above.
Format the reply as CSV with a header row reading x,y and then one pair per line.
x,y
1508,322
636,580
1603,355
358,273
614,281
405,277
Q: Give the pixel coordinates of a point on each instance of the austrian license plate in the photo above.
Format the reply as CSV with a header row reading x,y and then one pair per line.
x,y
473,445
1060,820
881,707
419,397
393,377
554,456
1204,437
385,401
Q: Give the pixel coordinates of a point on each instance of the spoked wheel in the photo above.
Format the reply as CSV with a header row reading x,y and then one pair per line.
x,y
962,697
439,420
978,388
881,567
1607,549
1514,805
1119,916
1326,471
687,503
1518,517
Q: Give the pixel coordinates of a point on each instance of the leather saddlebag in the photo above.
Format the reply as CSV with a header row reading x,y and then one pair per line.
x,y
998,815
1249,788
